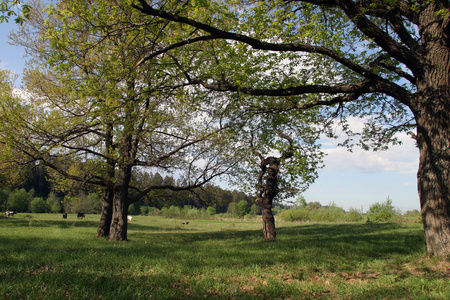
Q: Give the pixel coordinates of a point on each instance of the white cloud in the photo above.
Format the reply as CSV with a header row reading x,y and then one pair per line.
x,y
400,158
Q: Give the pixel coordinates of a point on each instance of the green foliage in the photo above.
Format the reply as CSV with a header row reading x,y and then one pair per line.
x,y
54,203
254,210
38,205
314,212
87,203
14,8
231,208
133,209
382,212
144,210
171,212
211,211
19,200
3,199
242,208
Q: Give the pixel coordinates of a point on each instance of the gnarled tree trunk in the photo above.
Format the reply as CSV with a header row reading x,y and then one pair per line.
x,y
433,138
432,114
270,191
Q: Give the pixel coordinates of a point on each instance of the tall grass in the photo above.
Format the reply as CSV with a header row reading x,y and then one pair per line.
x,y
46,257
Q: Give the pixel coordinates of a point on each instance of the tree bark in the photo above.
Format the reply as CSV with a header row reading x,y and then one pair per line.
x,y
119,224
104,225
433,137
106,214
432,115
269,193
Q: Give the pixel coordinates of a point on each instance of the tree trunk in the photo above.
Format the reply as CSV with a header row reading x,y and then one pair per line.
x,y
433,137
269,193
432,115
106,213
119,225
104,225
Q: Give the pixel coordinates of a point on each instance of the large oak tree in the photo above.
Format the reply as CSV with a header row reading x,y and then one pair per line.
x,y
385,61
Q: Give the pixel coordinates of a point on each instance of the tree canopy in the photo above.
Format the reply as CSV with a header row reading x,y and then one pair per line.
x,y
386,62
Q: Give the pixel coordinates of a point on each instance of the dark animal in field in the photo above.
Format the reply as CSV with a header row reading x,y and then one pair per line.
x,y
10,213
64,215
185,223
80,215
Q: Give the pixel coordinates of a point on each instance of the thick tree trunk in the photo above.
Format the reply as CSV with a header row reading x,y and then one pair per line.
x,y
104,225
106,213
434,181
432,114
268,222
266,201
119,225
433,139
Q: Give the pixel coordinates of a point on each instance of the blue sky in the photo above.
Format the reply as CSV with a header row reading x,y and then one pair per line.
x,y
356,179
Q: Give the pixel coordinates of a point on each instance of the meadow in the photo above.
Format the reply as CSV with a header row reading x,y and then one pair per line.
x,y
46,257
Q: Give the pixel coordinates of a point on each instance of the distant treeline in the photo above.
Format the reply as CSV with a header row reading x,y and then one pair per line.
x,y
40,193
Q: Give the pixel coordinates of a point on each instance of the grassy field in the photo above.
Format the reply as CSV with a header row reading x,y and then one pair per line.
x,y
46,257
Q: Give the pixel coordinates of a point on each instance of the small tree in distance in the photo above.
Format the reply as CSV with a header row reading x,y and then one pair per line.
x,y
381,212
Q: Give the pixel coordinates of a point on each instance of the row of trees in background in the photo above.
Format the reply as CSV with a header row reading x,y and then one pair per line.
x,y
40,191
20,200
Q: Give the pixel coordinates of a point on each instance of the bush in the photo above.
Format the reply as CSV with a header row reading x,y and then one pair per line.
x,y
88,204
354,215
241,208
145,209
19,200
295,215
38,205
254,210
54,203
211,211
381,212
331,213
171,212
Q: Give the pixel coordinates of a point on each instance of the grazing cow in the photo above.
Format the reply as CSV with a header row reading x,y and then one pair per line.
x,y
80,215
129,218
185,223
10,213
64,215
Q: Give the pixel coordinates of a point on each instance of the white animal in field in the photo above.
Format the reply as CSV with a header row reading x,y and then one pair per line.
x,y
129,218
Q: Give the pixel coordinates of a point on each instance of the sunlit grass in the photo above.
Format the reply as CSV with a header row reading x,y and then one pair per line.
x,y
44,256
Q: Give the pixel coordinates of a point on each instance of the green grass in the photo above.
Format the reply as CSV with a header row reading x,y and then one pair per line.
x,y
46,257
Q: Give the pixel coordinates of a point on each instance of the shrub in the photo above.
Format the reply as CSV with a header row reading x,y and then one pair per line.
x,y
211,211
19,200
145,209
381,212
38,205
295,214
354,215
171,212
89,204
254,210
53,203
241,208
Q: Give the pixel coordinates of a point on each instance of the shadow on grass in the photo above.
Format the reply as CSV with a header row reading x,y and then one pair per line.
x,y
167,262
